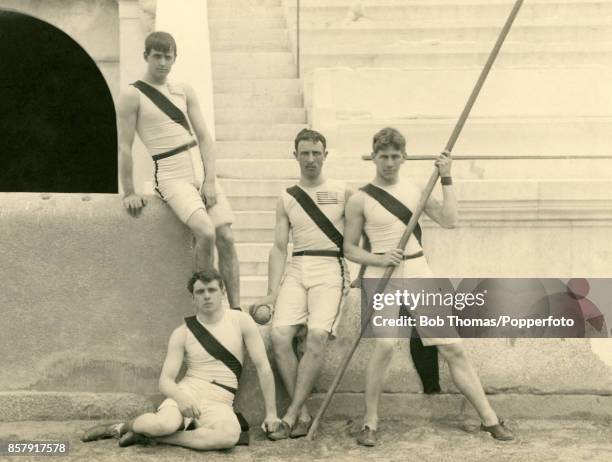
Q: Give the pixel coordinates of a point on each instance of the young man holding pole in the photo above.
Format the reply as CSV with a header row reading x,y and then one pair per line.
x,y
368,210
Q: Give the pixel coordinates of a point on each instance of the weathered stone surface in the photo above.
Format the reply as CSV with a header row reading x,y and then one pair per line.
x,y
90,296
54,406
455,406
28,405
92,24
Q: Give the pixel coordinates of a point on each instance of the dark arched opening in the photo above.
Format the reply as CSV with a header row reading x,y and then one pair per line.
x,y
57,122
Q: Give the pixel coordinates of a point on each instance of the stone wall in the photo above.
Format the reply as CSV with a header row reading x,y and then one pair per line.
x,y
92,24
90,296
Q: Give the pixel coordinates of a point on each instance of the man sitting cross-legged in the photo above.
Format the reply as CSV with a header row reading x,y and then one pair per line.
x,y
212,346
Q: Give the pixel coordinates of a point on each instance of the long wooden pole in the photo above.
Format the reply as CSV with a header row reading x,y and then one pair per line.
x,y
508,157
419,210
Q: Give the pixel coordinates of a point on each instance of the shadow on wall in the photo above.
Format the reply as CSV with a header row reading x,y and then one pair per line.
x,y
58,118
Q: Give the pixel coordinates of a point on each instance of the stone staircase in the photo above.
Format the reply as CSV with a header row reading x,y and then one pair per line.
x,y
556,47
451,33
258,111
433,37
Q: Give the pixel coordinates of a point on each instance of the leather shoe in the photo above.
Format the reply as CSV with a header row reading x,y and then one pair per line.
x,y
300,429
131,438
367,437
281,433
498,431
101,432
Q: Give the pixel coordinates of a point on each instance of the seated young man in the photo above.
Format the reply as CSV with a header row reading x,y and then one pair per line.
x,y
211,344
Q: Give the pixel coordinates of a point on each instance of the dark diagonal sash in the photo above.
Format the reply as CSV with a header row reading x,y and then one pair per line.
x,y
213,346
392,205
163,103
425,359
316,215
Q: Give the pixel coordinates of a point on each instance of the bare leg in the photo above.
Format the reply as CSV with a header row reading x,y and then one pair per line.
x,y
228,264
282,346
375,378
307,373
467,381
163,422
221,436
204,231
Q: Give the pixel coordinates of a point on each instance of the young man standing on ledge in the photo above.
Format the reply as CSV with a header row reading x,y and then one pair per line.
x,y
168,120
381,209
211,344
313,282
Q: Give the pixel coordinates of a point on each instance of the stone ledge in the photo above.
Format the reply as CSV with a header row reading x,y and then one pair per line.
x,y
547,203
446,406
32,405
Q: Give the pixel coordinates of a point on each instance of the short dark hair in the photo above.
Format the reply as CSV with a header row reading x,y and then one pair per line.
x,y
309,135
388,138
161,41
205,276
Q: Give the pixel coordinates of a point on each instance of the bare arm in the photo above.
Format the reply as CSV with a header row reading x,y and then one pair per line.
x,y
347,284
354,223
445,214
170,369
347,195
206,145
127,113
257,351
278,253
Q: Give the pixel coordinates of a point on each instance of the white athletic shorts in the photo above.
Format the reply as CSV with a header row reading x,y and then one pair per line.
x,y
178,181
311,293
216,405
410,269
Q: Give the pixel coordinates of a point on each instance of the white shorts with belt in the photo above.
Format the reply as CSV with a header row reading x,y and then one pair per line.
x,y
178,181
311,293
215,404
410,269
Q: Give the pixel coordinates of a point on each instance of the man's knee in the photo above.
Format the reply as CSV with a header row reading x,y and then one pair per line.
x,y
230,434
282,338
452,352
225,239
202,227
316,341
225,435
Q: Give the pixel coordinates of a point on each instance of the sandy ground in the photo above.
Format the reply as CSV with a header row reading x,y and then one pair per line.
x,y
401,440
